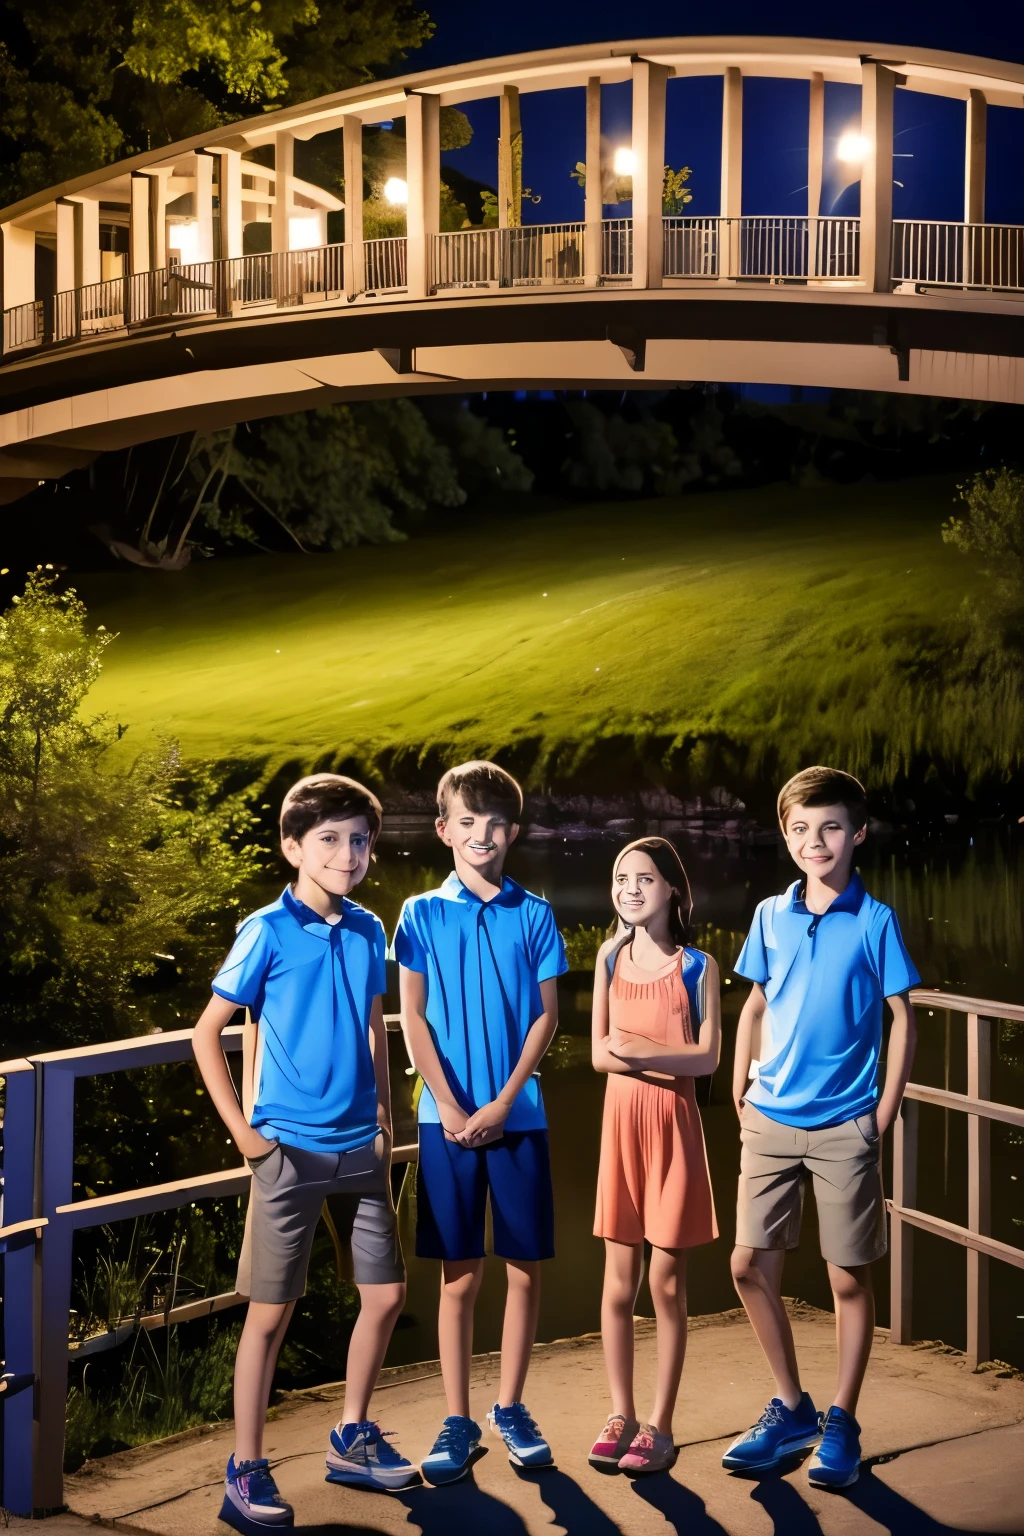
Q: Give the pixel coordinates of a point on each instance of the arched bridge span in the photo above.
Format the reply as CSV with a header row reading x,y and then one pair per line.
x,y
177,324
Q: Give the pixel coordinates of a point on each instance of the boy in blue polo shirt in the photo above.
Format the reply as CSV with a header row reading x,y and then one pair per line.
x,y
310,968
479,960
821,957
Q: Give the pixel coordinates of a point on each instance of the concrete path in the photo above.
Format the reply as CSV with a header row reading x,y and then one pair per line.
x,y
944,1452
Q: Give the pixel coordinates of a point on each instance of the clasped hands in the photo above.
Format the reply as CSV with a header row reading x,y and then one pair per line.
x,y
485,1125
633,1050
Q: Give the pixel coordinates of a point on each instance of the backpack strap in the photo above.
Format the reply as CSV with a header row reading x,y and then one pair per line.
x,y
613,954
694,966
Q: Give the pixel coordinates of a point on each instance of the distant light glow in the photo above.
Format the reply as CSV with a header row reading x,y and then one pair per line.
x,y
396,190
624,163
304,234
184,238
853,147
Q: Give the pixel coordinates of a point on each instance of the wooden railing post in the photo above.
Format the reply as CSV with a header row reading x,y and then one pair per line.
x,y
979,1187
901,1242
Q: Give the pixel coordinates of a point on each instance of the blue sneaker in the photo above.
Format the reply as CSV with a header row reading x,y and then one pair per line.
x,y
252,1503
836,1463
526,1445
360,1454
453,1450
778,1434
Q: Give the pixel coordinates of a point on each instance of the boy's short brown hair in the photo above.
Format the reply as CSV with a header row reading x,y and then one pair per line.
x,y
327,797
483,787
824,786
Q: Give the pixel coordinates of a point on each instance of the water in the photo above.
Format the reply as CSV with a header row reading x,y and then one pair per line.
x,y
961,913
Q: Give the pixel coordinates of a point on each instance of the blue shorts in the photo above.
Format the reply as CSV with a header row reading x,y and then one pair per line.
x,y
451,1197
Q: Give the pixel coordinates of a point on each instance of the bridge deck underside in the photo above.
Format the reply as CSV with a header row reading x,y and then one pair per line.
x,y
943,1449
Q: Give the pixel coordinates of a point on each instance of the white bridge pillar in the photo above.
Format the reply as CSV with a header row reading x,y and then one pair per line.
x,y
649,83
423,179
877,91
731,204
230,200
352,135
974,163
593,207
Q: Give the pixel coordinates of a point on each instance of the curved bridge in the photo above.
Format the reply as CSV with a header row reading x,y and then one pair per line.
x,y
175,326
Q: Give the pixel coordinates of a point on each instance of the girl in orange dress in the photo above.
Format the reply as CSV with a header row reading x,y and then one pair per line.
x,y
656,1026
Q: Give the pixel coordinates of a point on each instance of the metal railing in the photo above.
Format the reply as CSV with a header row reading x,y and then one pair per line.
x,y
385,266
23,325
38,1220
789,249
616,249
529,256
958,255
975,1237
691,248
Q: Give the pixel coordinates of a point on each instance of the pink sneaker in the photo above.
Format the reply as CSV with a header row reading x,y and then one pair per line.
x,y
649,1452
613,1441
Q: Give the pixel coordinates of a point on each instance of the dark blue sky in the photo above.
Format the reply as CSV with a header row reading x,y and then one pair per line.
x,y
929,130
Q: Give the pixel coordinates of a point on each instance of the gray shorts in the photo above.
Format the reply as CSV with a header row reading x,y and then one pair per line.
x,y
289,1189
842,1160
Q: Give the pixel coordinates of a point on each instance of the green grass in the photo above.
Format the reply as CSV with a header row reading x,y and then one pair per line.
x,y
775,626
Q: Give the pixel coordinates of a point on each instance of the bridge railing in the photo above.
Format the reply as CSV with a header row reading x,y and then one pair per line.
x,y
976,1237
385,265
38,1219
945,255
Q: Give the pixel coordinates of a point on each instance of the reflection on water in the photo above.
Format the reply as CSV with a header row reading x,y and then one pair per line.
x,y
961,914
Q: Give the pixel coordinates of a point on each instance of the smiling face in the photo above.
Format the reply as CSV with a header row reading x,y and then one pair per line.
x,y
478,839
821,840
332,856
640,892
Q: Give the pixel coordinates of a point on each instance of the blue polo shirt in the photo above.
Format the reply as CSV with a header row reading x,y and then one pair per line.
x,y
311,985
824,977
484,962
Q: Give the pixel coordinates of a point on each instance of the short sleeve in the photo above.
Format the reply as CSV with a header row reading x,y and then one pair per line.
x,y
895,970
547,952
407,947
752,964
241,977
378,957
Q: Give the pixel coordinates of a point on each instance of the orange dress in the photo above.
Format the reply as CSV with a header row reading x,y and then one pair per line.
x,y
653,1180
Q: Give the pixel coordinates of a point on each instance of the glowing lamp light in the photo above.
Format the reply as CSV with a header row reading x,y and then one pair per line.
x,y
624,163
304,234
853,147
396,190
184,238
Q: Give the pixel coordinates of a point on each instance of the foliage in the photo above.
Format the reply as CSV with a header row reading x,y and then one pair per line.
x,y
611,455
993,528
104,871
84,83
581,946
484,456
674,192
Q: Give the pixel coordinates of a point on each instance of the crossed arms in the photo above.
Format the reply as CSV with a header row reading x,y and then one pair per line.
x,y
616,1050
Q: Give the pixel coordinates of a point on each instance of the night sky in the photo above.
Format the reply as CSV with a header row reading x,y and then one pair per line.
x,y
929,130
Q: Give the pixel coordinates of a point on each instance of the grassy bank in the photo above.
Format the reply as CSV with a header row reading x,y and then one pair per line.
x,y
769,627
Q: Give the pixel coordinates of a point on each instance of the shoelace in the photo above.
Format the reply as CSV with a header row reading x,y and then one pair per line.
x,y
522,1423
771,1416
372,1434
261,1487
454,1438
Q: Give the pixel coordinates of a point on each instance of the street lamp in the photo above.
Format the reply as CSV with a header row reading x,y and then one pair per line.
x,y
853,147
396,190
624,163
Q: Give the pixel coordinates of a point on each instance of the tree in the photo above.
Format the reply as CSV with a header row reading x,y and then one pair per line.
x,y
86,81
110,869
994,529
611,455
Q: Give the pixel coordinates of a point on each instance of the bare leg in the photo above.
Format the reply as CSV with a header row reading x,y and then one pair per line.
x,y
668,1292
757,1275
855,1329
623,1271
522,1309
262,1336
379,1306
460,1284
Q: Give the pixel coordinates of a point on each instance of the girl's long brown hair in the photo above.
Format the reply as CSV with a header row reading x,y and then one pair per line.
x,y
665,858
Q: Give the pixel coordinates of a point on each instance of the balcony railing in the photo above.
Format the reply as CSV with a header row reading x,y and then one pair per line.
x,y
765,249
958,255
